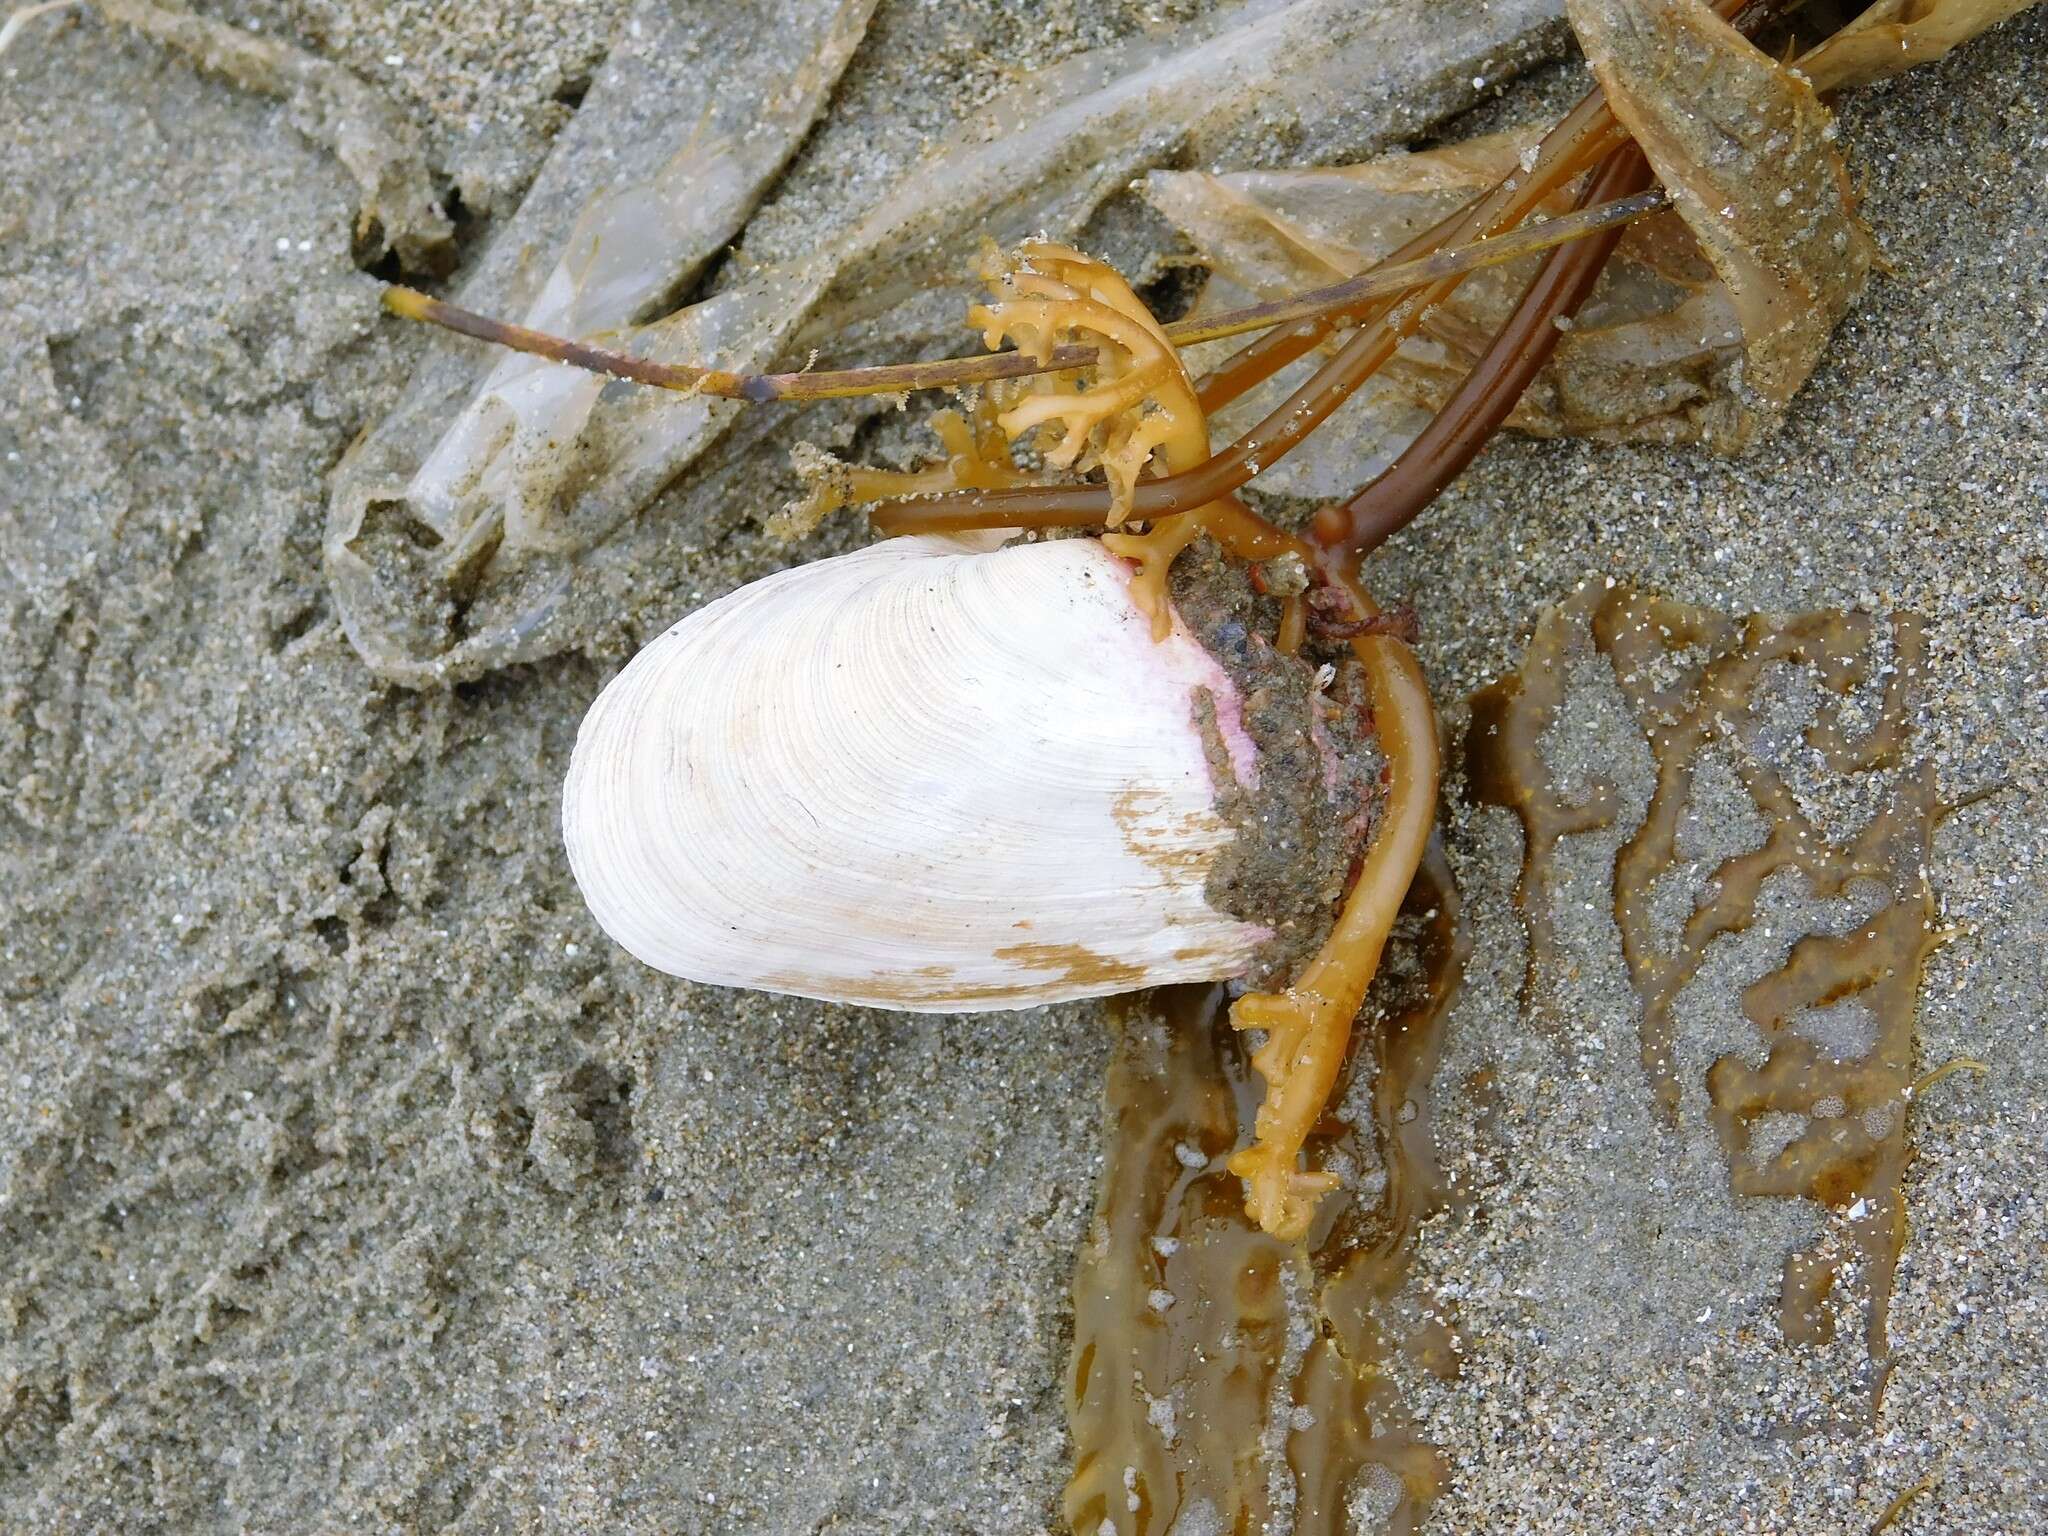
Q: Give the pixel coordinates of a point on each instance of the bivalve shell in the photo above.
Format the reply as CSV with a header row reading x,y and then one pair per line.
x,y
925,775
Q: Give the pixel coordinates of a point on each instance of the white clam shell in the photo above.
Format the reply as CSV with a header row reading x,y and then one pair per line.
x,y
922,776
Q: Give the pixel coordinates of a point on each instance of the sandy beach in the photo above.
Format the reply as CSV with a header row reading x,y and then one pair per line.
x,y
352,1180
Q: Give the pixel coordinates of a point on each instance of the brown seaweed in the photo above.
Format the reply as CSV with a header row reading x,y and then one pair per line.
x,y
1852,1146
1747,152
1894,35
1223,1380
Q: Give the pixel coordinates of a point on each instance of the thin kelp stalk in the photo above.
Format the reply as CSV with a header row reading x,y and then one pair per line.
x,y
1579,139
1391,279
1386,280
692,378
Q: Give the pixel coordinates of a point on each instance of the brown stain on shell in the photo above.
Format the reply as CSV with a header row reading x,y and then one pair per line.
x,y
1039,966
1175,853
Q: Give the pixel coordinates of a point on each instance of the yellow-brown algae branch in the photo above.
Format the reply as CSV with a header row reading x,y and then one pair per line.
x,y
1233,525
1897,1507
976,455
1388,281
1134,363
1058,293
1947,1069
1308,1026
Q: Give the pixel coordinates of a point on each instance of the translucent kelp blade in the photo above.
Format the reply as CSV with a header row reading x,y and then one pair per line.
x,y
1647,359
442,574
1747,152
684,155
1894,35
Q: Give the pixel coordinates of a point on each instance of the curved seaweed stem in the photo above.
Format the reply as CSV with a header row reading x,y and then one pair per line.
x,y
1308,1025
1391,278
1472,415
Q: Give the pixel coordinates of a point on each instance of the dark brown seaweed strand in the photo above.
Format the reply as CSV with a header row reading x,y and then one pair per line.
x,y
1390,279
759,388
1471,416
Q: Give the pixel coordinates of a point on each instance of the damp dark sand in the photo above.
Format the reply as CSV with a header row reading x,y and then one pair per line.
x,y
349,1180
